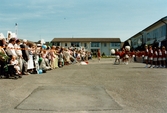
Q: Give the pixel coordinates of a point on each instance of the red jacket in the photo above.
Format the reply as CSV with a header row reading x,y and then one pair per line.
x,y
146,52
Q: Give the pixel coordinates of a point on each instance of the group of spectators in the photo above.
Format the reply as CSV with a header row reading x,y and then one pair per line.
x,y
154,57
30,58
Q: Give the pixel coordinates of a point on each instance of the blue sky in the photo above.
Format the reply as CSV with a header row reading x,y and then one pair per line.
x,y
48,19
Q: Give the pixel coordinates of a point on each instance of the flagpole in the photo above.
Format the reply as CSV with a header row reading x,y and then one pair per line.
x,y
16,29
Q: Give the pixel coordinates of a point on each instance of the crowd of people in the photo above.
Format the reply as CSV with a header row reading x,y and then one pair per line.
x,y
20,57
153,57
24,58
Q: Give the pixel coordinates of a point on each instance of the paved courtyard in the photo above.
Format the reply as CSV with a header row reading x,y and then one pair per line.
x,y
99,87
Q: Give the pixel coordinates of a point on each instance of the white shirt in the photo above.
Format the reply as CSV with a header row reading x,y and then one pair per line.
x,y
11,50
18,49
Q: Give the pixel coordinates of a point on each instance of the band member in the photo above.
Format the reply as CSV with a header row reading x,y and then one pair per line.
x,y
98,55
117,58
122,55
164,54
127,54
155,57
146,56
159,57
150,56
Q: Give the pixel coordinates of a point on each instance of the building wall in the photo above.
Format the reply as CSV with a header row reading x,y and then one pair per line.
x,y
65,44
156,33
104,47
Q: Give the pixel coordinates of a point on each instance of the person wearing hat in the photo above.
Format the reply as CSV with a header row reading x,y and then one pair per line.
x,y
146,56
155,57
150,55
117,58
164,55
160,57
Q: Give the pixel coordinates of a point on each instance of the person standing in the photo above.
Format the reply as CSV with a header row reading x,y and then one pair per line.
x,y
155,57
10,47
159,57
56,57
127,54
117,58
19,54
146,56
164,54
31,56
99,55
53,57
61,61
25,54
150,55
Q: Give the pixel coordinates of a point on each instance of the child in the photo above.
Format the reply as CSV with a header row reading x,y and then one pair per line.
x,y
14,62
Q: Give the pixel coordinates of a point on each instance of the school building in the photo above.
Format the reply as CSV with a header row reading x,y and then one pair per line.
x,y
90,44
155,35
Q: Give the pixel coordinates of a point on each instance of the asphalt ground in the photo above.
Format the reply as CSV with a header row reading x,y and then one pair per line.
x,y
99,87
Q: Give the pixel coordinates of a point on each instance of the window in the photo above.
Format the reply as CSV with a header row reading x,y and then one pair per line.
x,y
85,44
75,44
105,44
57,43
95,44
115,44
154,34
163,30
134,42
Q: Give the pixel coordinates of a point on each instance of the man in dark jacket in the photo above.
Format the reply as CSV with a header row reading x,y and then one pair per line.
x,y
25,54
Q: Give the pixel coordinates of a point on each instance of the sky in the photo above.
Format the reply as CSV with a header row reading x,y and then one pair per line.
x,y
49,19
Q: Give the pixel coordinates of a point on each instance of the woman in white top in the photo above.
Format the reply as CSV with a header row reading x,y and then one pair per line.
x,y
30,61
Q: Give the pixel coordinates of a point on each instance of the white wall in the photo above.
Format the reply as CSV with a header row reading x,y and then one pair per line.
x,y
106,50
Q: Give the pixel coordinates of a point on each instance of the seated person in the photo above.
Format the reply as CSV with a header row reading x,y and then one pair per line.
x,y
14,62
